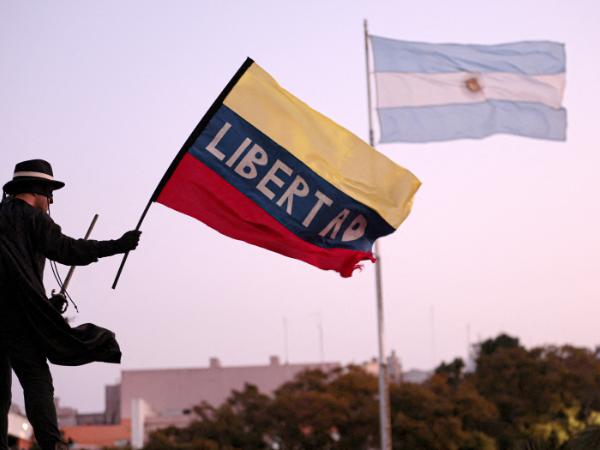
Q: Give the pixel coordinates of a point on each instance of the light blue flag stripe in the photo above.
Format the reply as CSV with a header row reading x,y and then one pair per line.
x,y
527,58
472,121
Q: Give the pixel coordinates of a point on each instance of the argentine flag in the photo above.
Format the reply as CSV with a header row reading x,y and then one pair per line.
x,y
437,92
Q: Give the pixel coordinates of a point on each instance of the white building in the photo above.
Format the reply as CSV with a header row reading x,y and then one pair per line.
x,y
149,399
20,432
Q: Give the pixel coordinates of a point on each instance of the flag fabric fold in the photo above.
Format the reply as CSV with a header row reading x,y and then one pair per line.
x,y
434,92
265,168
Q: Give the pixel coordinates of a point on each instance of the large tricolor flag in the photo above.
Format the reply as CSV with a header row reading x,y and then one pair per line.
x,y
263,167
434,92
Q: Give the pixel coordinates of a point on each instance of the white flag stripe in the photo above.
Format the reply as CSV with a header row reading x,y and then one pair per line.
x,y
396,89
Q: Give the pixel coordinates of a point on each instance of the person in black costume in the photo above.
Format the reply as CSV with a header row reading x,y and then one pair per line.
x,y
32,331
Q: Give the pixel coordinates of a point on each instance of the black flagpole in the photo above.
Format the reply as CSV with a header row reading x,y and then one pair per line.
x,y
190,140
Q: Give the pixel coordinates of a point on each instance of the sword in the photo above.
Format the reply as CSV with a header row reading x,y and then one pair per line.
x,y
63,289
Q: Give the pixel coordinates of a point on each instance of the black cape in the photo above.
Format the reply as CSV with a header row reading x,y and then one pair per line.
x,y
27,236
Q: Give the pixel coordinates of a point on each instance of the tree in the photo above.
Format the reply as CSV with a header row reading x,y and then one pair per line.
x,y
328,411
240,423
588,439
545,394
490,346
441,416
544,398
453,371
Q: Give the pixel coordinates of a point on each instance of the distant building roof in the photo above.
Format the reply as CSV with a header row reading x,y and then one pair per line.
x,y
416,376
98,436
171,391
163,397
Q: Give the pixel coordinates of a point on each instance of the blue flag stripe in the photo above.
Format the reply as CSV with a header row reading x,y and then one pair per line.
x,y
473,121
527,58
231,144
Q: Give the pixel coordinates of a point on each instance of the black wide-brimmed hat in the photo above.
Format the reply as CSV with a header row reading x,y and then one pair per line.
x,y
34,175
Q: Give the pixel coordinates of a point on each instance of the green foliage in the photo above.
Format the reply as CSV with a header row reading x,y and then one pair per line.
x,y
588,439
502,341
453,371
545,398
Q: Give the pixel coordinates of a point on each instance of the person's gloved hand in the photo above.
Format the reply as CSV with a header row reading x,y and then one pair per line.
x,y
59,302
129,241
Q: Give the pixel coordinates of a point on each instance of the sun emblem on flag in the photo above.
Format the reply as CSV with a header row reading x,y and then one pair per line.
x,y
473,85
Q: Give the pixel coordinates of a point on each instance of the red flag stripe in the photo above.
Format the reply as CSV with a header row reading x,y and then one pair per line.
x,y
198,191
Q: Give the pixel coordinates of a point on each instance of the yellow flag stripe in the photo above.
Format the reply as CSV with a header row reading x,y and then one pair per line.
x,y
330,150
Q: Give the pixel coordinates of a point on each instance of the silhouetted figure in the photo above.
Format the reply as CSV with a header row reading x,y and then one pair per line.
x,y
32,330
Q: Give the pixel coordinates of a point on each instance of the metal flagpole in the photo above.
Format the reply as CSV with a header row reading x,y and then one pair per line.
x,y
384,397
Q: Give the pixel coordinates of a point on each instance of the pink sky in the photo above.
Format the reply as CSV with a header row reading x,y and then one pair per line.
x,y
504,233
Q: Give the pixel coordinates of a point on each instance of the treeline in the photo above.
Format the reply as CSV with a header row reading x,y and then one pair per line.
x,y
544,398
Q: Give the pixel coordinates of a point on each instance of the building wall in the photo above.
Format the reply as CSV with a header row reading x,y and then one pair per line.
x,y
98,436
19,429
91,418
112,409
171,391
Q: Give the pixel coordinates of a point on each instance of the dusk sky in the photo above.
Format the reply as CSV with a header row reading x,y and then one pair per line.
x,y
504,235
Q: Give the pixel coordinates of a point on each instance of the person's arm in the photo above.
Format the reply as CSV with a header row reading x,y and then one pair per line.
x,y
77,252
